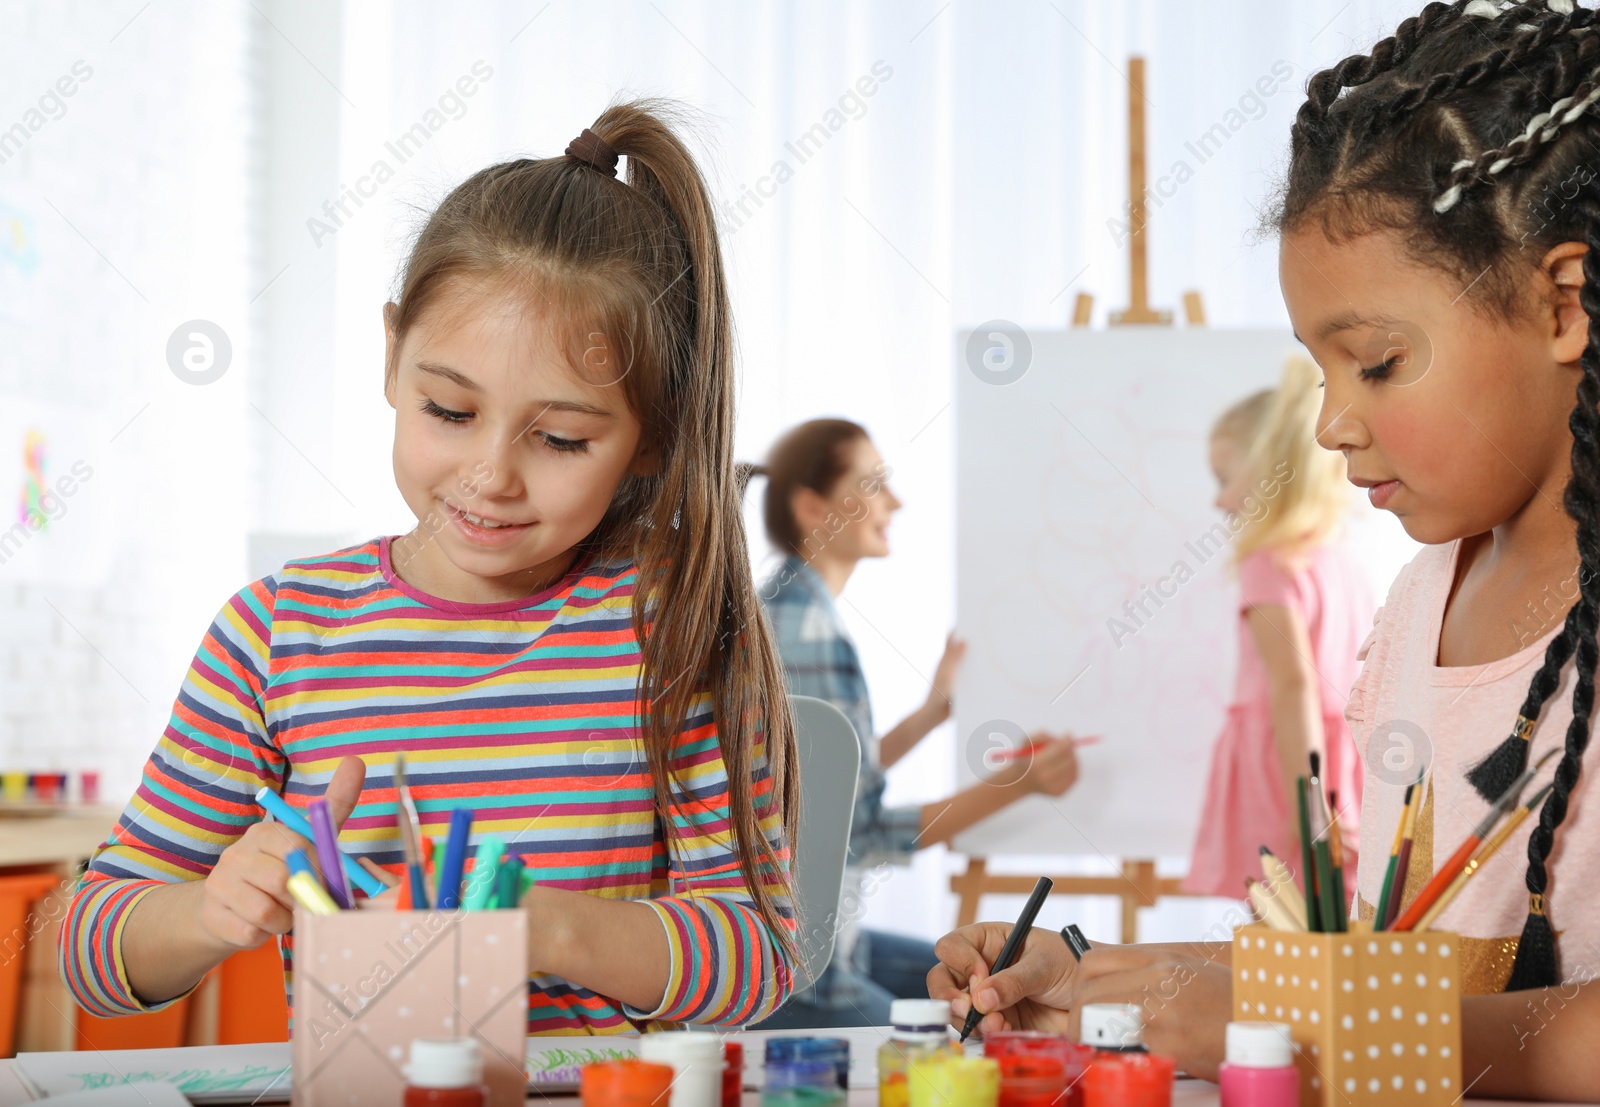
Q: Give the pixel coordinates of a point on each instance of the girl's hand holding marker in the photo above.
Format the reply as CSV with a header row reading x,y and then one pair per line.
x,y
246,899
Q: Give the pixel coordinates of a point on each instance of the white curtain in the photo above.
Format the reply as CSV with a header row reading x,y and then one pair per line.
x,y
888,174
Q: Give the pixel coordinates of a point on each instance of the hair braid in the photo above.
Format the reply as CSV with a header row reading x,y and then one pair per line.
x,y
1487,68
1323,89
1508,102
1536,964
1540,131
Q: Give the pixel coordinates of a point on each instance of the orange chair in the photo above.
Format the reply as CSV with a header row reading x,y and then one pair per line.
x,y
252,1007
18,894
159,1029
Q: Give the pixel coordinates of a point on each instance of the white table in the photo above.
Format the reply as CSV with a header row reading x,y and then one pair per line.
x,y
1186,1093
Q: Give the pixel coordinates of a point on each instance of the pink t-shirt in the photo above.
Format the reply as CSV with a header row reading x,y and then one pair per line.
x,y
1407,712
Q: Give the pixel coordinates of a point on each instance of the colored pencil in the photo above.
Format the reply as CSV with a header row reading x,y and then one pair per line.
x,y
1402,868
1307,867
1381,908
1281,882
1273,911
1323,859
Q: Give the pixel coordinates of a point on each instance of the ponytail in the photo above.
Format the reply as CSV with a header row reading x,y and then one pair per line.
x,y
630,272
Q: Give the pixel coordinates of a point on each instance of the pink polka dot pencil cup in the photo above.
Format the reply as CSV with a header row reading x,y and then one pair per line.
x,y
367,983
1375,1018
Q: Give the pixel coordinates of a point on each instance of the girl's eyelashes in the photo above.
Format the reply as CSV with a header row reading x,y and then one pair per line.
x,y
445,413
555,442
564,445
1380,371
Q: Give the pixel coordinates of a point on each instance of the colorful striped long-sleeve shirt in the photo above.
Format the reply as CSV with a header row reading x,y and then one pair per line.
x,y
524,711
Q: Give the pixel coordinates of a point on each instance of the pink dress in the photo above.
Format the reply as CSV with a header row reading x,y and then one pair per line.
x,y
1245,806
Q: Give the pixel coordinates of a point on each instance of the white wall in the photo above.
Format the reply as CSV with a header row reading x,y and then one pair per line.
x,y
976,182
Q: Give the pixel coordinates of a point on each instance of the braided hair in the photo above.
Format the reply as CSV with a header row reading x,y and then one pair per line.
x,y
1466,133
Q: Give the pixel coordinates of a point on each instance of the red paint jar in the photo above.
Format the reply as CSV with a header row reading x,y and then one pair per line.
x,y
1038,1070
445,1074
1128,1080
631,1083
732,1073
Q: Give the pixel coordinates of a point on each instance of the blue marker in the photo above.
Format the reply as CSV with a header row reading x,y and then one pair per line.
x,y
455,858
289,817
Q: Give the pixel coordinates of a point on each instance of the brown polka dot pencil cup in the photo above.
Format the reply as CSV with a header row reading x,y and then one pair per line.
x,y
1375,1017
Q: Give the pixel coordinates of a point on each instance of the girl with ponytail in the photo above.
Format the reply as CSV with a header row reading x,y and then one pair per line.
x,y
1440,259
568,642
1304,605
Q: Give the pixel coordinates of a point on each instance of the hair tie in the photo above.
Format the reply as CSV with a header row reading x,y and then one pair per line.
x,y
594,152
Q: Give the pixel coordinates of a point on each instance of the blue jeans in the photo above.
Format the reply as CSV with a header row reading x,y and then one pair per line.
x,y
887,967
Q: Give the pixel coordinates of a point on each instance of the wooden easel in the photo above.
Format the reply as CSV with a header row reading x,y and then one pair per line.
x,y
1138,885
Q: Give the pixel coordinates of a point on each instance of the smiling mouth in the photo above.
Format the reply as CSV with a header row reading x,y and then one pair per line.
x,y
482,521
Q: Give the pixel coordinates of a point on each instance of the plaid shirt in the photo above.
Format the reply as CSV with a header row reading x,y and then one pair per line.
x,y
820,660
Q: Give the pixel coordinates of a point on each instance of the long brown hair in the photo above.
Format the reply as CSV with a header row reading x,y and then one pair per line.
x,y
635,263
1469,132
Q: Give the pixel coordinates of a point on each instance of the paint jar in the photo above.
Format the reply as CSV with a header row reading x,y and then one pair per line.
x,y
919,1028
697,1062
804,1083
89,786
1259,1071
953,1080
630,1083
732,1073
836,1051
1038,1070
1128,1079
445,1074
1113,1027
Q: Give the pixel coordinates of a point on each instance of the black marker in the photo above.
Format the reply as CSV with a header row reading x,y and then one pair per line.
x,y
1076,942
1008,952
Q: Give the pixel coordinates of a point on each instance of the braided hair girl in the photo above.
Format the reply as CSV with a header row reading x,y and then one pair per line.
x,y
1462,151
1440,258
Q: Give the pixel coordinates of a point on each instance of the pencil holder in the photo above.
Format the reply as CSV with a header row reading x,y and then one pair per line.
x,y
369,982
1376,1018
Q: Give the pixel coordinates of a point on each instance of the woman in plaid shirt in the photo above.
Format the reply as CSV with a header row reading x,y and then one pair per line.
x,y
827,506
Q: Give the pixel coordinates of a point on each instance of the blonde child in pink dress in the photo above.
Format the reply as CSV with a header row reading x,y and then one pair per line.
x,y
1305,604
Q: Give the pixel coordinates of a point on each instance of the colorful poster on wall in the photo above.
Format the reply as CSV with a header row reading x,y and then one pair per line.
x,y
57,524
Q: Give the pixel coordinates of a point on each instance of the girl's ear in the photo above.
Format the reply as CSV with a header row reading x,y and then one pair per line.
x,y
1569,335
390,311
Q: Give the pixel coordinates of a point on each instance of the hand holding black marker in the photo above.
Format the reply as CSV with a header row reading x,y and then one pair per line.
x,y
1013,946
